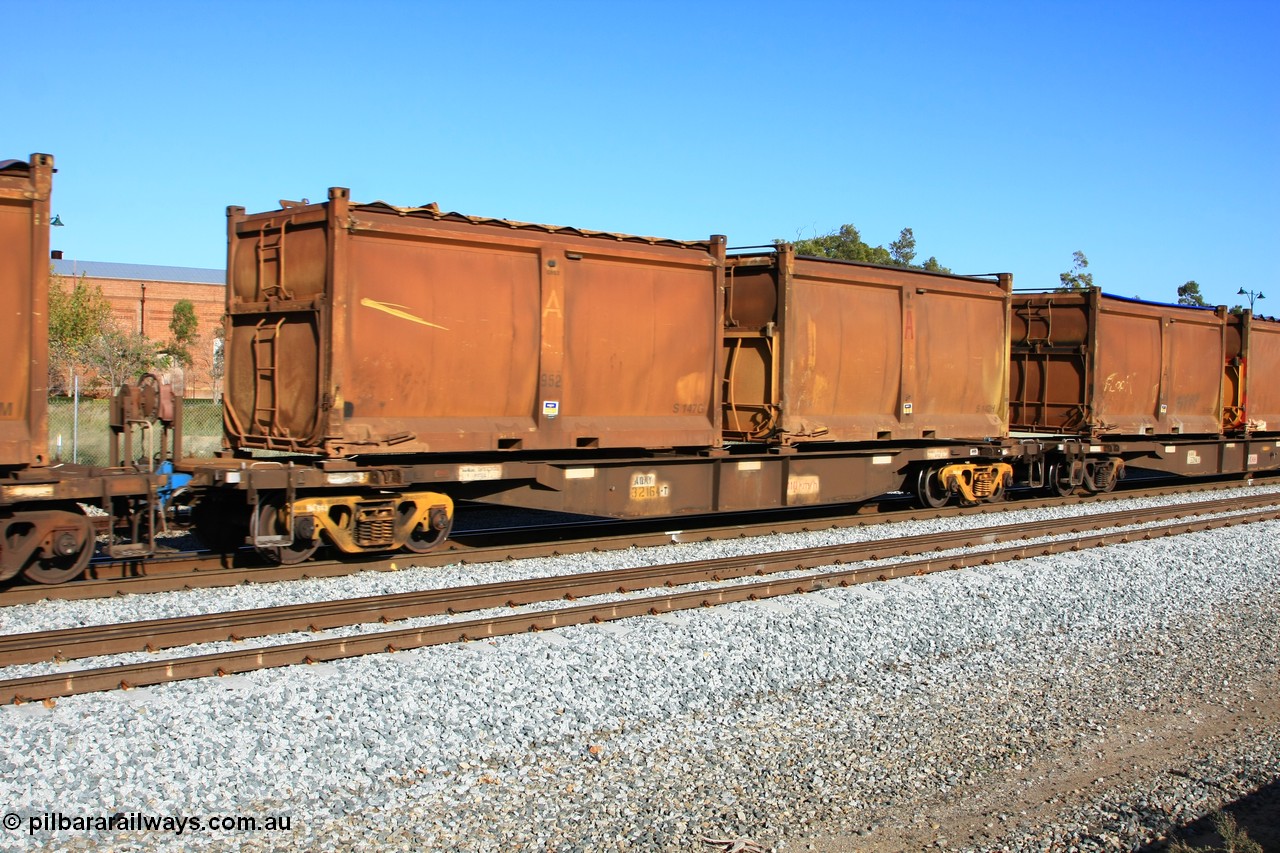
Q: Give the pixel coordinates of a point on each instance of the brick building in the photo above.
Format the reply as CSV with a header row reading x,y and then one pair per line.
x,y
142,299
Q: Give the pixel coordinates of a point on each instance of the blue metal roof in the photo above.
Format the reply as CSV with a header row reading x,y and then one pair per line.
x,y
138,272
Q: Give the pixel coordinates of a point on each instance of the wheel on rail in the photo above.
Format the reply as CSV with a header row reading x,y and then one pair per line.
x,y
930,492
1059,480
66,550
270,519
426,536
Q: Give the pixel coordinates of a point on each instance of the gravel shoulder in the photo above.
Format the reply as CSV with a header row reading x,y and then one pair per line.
x,y
1124,788
885,716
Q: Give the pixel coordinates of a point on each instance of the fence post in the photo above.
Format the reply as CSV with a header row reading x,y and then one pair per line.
x,y
75,423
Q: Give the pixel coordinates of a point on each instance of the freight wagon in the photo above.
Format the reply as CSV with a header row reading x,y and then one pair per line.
x,y
45,535
1125,382
383,362
420,357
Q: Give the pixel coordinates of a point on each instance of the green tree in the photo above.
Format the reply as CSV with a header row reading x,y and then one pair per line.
x,y
1076,278
78,313
843,244
182,333
903,250
117,356
846,244
1189,294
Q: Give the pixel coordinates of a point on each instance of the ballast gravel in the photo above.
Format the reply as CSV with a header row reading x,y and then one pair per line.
x,y
840,710
55,614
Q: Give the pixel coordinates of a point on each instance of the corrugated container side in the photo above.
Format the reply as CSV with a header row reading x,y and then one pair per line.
x,y
25,190
1093,364
1252,374
408,331
852,352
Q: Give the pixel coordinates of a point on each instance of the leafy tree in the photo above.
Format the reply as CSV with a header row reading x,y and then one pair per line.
x,y
78,314
117,356
1189,294
843,244
903,250
182,332
1076,278
846,244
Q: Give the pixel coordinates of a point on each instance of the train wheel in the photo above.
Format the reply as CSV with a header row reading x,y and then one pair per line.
x,y
425,537
929,491
269,519
1057,485
69,553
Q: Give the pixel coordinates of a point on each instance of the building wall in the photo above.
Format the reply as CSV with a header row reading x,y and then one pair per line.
x,y
147,307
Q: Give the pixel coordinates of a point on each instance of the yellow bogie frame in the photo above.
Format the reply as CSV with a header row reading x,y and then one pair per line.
x,y
976,482
360,524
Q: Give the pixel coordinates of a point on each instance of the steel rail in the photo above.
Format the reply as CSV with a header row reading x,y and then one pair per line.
x,y
224,663
210,571
151,635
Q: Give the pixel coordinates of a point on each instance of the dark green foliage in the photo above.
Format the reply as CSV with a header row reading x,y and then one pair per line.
x,y
1076,278
182,332
1189,294
846,244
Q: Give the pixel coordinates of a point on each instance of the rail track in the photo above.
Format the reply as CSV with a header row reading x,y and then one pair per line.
x,y
1088,531
190,571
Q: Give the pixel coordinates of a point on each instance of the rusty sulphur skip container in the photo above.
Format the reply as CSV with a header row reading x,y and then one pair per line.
x,y
1090,364
831,351
362,329
25,188
1251,393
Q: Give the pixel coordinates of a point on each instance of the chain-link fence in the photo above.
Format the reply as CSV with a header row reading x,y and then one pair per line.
x,y
82,434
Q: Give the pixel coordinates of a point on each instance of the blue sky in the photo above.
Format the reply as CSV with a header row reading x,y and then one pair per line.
x,y
1006,134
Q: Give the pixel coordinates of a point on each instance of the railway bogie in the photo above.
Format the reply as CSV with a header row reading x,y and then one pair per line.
x,y
288,509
